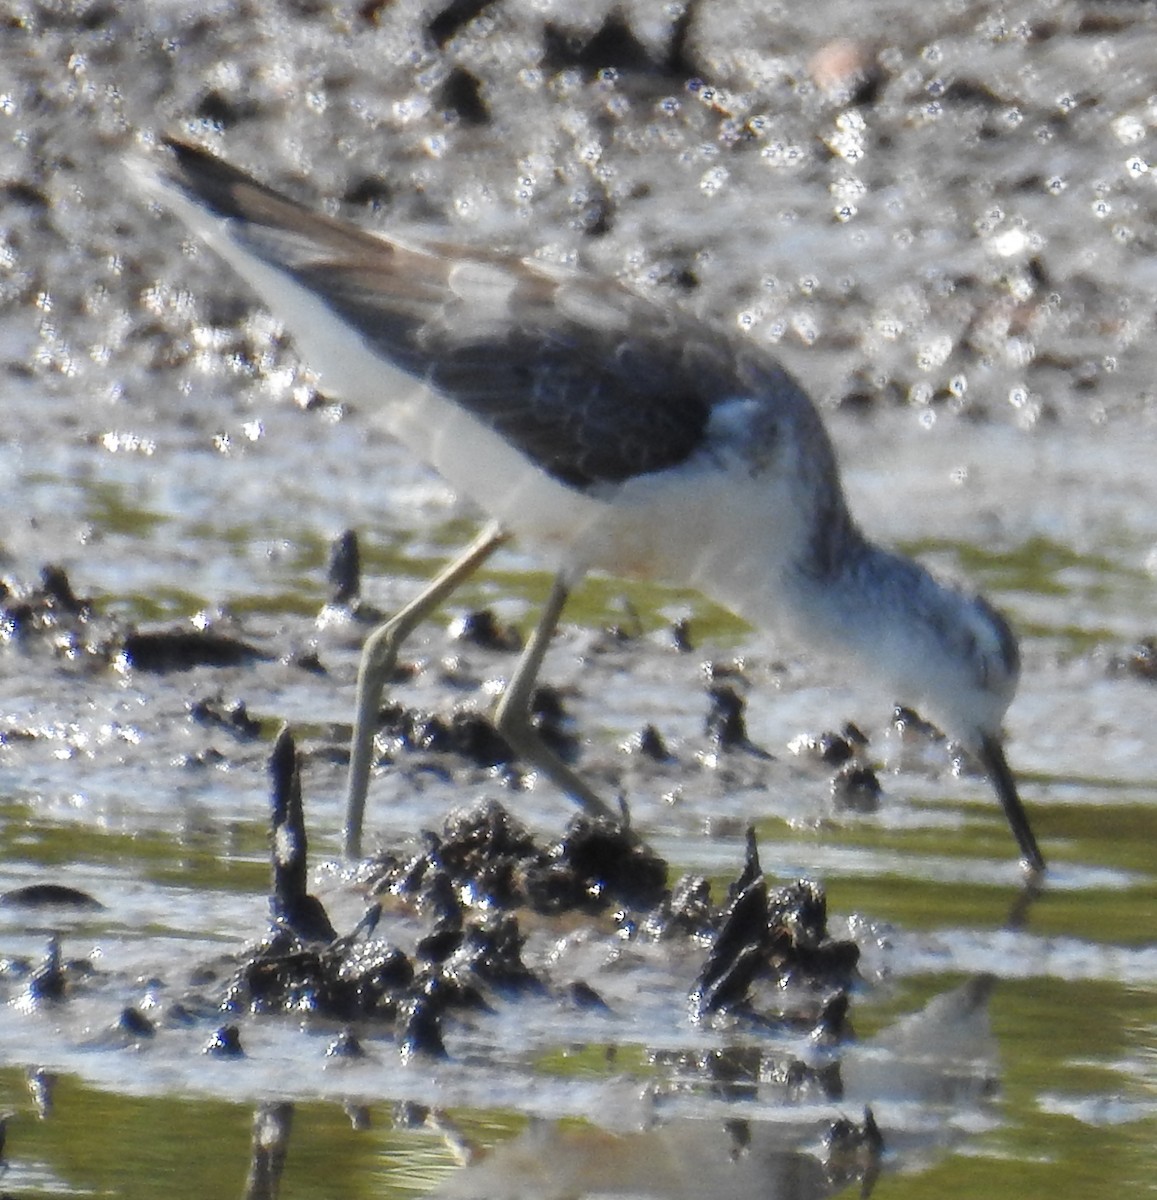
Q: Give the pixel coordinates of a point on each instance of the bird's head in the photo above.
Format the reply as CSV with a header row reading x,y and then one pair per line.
x,y
965,681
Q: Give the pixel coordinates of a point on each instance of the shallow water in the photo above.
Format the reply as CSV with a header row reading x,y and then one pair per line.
x,y
993,290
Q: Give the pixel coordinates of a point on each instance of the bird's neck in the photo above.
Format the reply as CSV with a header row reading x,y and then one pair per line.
x,y
852,599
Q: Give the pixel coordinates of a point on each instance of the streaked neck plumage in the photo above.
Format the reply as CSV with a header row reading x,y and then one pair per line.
x,y
938,648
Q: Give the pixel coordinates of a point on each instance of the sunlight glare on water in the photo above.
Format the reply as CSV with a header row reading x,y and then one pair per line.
x,y
938,221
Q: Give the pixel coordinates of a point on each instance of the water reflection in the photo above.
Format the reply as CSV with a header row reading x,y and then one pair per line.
x,y
740,1075
728,1160
918,1088
768,1125
272,1124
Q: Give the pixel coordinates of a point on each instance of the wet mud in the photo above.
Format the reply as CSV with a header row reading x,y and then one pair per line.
x,y
806,962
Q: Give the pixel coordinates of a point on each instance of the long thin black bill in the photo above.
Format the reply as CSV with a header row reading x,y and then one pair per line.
x,y
996,767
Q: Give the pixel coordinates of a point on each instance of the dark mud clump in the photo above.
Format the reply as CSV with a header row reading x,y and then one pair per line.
x,y
48,612
780,937
50,615
1139,661
182,649
485,857
470,885
53,978
855,786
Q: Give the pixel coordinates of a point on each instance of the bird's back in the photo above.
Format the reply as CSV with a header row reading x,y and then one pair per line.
x,y
539,392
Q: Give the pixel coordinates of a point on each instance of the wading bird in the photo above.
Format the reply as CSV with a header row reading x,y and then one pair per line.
x,y
613,434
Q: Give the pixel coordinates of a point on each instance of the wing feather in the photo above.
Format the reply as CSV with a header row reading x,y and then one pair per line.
x,y
589,381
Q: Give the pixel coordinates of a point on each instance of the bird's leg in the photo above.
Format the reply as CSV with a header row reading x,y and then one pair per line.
x,y
379,655
512,716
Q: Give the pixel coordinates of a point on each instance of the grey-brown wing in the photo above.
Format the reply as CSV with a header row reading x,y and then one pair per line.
x,y
590,382
588,404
